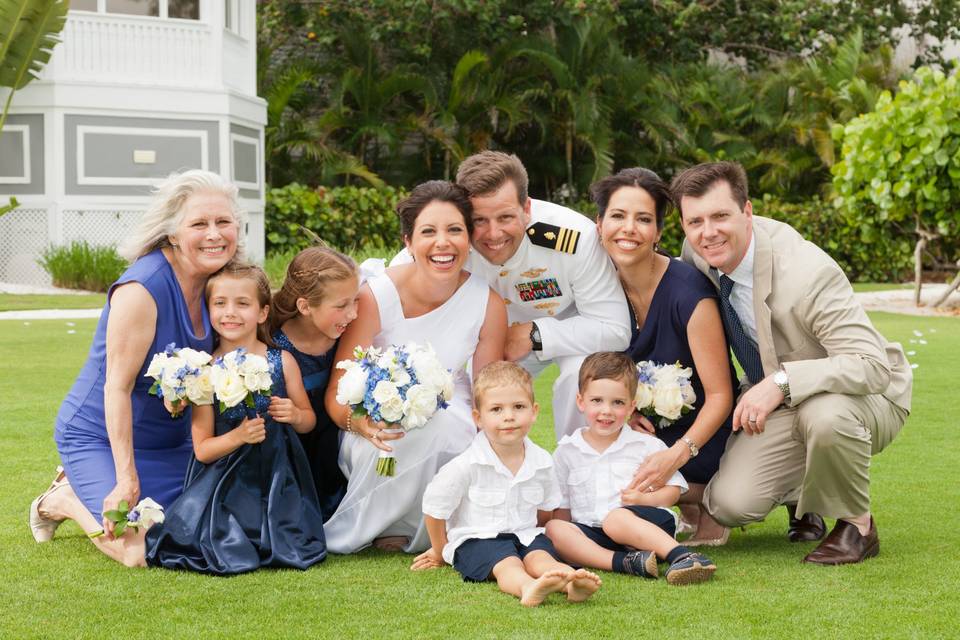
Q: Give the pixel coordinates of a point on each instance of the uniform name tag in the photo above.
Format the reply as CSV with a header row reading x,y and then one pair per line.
x,y
538,289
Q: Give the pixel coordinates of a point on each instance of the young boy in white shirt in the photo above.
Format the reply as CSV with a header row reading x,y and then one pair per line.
x,y
484,509
600,523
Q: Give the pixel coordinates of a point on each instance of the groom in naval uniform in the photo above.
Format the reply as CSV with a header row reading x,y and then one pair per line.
x,y
823,390
564,300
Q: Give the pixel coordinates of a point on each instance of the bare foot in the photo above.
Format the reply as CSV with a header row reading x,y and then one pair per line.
x,y
537,591
582,585
391,543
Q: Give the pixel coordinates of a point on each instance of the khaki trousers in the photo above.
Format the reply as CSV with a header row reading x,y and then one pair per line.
x,y
816,454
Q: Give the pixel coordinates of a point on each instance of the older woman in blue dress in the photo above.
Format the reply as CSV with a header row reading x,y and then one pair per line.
x,y
116,442
675,318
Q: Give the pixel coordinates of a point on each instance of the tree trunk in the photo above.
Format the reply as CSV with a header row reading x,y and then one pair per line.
x,y
918,269
953,287
569,158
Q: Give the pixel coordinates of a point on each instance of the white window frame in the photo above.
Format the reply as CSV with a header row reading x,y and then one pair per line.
x,y
84,180
24,131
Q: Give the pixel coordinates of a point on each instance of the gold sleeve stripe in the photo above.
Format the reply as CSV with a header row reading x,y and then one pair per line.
x,y
571,238
560,238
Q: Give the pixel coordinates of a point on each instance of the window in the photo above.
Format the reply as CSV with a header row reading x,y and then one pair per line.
x,y
231,16
84,5
182,9
134,7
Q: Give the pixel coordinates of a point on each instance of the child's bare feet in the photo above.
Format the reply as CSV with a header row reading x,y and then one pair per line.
x,y
582,585
537,591
391,543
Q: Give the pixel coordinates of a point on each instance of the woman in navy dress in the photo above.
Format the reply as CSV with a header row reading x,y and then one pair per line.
x,y
116,442
675,318
308,315
249,500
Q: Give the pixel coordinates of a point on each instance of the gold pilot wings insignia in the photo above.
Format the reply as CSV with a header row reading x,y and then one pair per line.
x,y
553,237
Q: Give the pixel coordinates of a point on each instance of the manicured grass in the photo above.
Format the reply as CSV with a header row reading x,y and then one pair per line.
x,y
65,589
29,302
863,287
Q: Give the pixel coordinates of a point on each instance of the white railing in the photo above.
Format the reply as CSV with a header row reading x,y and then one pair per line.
x,y
133,50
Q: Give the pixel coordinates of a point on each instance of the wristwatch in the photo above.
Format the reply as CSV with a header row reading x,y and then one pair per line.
x,y
694,449
780,379
535,337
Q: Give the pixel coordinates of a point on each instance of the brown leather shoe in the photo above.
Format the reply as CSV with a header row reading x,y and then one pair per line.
x,y
845,545
808,528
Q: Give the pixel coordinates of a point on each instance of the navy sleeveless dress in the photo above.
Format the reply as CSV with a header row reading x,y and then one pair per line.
x,y
663,339
255,507
161,444
322,445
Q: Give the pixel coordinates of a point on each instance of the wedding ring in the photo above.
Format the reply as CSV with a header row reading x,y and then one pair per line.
x,y
751,420
650,489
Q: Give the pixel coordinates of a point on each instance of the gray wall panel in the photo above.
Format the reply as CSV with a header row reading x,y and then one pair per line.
x,y
172,153
12,156
246,161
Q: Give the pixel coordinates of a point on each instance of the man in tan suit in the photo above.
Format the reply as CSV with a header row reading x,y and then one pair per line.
x,y
823,391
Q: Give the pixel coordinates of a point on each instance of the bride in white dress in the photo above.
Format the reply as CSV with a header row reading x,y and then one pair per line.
x,y
431,300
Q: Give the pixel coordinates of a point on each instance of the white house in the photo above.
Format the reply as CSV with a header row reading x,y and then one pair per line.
x,y
136,89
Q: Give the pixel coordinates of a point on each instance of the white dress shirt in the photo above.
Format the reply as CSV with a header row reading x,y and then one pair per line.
x,y
591,481
480,498
741,296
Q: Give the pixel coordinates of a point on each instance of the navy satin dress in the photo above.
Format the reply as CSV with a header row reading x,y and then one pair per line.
x,y
255,507
663,339
322,445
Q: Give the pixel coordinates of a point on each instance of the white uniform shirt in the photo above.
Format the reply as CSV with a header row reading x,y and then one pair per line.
x,y
575,298
741,296
591,481
479,497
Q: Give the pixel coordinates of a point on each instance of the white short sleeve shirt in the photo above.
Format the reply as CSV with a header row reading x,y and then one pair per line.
x,y
480,498
591,481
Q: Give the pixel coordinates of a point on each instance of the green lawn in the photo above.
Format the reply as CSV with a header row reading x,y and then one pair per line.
x,y
29,302
65,589
863,287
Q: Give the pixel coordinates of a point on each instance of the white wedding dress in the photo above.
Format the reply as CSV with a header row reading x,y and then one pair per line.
x,y
376,506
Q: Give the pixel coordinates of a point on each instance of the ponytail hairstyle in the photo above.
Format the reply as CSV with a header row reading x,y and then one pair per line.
x,y
309,276
239,270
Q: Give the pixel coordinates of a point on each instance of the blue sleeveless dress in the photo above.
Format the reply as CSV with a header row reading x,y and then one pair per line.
x,y
255,507
663,339
161,444
322,445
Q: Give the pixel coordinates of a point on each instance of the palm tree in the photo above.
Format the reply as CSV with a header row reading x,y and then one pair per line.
x,y
29,30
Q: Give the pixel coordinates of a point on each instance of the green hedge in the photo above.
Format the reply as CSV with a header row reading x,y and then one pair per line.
x,y
348,218
363,218
80,265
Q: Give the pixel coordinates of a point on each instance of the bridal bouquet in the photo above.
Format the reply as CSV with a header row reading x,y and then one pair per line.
x,y
181,376
146,514
238,377
664,390
403,386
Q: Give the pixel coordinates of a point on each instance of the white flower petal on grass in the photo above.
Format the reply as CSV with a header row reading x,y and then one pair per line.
x,y
71,324
71,331
914,365
26,324
932,330
922,341
912,341
911,353
917,333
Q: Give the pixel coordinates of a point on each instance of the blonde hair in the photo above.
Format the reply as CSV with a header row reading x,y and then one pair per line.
x,y
608,365
501,374
165,212
483,173
240,270
309,275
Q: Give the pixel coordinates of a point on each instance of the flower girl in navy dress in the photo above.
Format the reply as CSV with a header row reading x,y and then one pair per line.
x,y
307,317
249,499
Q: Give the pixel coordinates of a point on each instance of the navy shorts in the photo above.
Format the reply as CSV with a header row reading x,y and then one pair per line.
x,y
660,517
475,558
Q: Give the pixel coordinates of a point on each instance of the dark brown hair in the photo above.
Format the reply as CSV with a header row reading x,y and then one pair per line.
x,y
608,365
433,191
697,180
483,173
309,275
240,270
602,190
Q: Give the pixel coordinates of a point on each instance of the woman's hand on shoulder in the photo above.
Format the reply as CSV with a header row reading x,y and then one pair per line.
x,y
659,467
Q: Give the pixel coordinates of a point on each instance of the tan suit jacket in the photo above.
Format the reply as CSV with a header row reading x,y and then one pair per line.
x,y
809,321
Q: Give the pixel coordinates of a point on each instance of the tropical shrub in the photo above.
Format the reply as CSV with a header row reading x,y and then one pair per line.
x,y
80,265
347,218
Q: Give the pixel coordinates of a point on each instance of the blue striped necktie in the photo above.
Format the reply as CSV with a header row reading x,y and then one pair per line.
x,y
743,347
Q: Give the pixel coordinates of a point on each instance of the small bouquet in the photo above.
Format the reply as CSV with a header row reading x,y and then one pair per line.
x,y
181,376
238,377
664,390
146,514
400,385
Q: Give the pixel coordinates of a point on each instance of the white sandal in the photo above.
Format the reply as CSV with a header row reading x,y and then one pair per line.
x,y
43,528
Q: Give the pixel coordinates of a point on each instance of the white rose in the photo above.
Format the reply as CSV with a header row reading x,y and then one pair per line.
x,y
199,388
230,389
644,396
668,401
420,405
170,379
387,360
195,359
156,365
400,376
150,513
429,370
255,372
689,395
385,391
353,385
392,409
